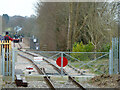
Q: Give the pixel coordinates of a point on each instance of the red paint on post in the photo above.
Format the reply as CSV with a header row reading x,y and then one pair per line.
x,y
29,68
65,61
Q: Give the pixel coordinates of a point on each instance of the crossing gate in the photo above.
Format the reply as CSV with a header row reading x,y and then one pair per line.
x,y
99,62
7,59
89,63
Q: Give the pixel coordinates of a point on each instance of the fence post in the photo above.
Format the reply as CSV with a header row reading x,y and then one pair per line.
x,y
13,64
110,63
3,62
116,56
10,62
7,60
61,63
119,55
112,55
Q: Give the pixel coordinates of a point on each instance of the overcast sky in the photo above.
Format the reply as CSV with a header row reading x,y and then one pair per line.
x,y
17,7
26,7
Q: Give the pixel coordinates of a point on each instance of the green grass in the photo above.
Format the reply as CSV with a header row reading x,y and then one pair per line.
x,y
62,82
77,79
95,65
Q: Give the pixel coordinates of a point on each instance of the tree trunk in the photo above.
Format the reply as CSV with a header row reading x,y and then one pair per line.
x,y
69,34
75,23
95,46
95,51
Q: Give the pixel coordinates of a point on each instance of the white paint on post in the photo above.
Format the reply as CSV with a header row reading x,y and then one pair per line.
x,y
38,59
61,64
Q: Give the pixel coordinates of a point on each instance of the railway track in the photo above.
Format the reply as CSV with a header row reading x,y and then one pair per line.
x,y
56,68
46,77
40,71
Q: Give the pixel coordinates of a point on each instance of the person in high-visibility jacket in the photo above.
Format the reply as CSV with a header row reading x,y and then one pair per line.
x,y
7,37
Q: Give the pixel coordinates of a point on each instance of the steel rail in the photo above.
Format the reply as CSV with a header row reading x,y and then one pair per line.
x,y
70,78
76,83
37,68
49,82
56,68
46,78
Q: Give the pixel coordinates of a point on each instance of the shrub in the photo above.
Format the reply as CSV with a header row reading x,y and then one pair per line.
x,y
80,47
105,47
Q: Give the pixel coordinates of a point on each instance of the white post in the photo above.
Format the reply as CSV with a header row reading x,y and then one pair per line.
x,y
3,62
61,63
13,64
7,61
110,64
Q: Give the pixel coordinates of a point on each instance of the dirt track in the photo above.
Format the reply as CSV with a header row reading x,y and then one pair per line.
x,y
105,81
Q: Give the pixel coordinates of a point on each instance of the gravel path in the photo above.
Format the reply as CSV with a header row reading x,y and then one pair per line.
x,y
20,64
64,84
42,64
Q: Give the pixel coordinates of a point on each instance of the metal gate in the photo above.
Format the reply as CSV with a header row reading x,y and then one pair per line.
x,y
87,63
7,59
114,58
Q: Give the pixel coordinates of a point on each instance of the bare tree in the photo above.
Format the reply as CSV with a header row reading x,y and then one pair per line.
x,y
65,23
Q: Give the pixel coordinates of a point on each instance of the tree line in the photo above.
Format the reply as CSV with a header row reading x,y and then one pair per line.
x,y
63,24
59,26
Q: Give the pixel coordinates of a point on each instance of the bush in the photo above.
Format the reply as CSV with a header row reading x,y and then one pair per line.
x,y
105,47
80,47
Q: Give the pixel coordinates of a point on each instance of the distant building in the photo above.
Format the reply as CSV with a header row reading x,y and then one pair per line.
x,y
0,25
